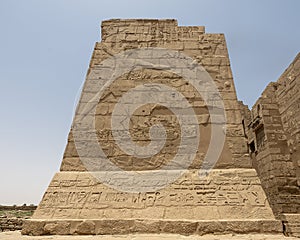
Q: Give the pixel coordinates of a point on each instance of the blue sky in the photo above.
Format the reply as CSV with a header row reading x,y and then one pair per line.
x,y
45,49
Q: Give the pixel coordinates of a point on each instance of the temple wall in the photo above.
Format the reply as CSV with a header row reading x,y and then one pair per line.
x,y
274,140
209,50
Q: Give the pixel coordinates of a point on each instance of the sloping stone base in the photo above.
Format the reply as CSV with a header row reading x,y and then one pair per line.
x,y
226,201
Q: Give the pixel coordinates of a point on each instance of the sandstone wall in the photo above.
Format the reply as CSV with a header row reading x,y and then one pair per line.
x,y
209,50
271,155
288,96
227,199
274,142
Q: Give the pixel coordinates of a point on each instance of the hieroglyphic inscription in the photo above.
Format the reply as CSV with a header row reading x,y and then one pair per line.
x,y
217,190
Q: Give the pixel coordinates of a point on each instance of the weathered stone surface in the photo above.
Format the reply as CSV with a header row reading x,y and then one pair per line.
x,y
183,227
229,199
86,227
208,49
273,132
223,194
16,235
63,228
291,224
192,205
10,224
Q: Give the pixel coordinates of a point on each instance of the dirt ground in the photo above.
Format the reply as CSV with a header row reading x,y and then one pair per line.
x,y
17,236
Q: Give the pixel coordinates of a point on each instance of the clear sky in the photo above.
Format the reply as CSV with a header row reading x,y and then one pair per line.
x,y
45,49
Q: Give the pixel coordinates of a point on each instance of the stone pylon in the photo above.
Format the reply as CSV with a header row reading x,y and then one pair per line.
x,y
178,161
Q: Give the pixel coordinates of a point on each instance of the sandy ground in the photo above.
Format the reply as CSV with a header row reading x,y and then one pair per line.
x,y
17,235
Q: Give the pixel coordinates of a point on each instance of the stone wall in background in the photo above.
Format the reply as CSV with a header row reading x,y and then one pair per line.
x,y
273,131
18,208
11,217
288,95
10,224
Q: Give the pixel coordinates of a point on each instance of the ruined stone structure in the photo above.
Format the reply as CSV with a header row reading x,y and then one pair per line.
x,y
10,224
230,199
273,131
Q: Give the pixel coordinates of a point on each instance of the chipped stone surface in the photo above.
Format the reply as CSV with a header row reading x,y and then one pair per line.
x,y
191,205
224,194
228,200
273,131
10,224
291,224
209,50
16,235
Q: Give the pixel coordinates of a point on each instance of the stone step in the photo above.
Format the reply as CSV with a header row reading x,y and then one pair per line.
x,y
129,226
